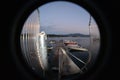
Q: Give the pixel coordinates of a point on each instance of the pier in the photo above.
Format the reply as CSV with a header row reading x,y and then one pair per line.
x,y
66,62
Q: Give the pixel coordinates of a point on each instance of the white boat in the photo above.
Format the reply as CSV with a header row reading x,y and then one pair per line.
x,y
49,47
77,48
73,46
52,41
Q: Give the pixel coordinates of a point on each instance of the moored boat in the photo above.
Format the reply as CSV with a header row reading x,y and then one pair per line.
x,y
74,46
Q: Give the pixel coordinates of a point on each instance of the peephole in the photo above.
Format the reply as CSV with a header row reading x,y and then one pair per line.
x,y
61,40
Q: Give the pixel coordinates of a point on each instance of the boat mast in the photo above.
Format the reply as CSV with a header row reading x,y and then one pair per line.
x,y
89,25
39,17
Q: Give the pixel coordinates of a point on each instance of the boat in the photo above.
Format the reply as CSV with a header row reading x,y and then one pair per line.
x,y
52,41
70,42
49,47
74,46
77,48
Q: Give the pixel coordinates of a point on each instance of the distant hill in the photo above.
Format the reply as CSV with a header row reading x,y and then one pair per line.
x,y
79,34
68,35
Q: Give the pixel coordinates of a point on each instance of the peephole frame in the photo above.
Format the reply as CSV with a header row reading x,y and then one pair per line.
x,y
30,6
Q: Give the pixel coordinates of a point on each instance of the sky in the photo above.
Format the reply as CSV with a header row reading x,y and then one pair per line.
x,y
62,17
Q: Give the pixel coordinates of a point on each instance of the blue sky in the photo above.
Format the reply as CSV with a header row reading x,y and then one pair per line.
x,y
62,17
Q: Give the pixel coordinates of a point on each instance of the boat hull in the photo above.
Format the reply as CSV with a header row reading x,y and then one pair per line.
x,y
77,49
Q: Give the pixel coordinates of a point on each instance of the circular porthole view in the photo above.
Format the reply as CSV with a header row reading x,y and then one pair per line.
x,y
60,40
